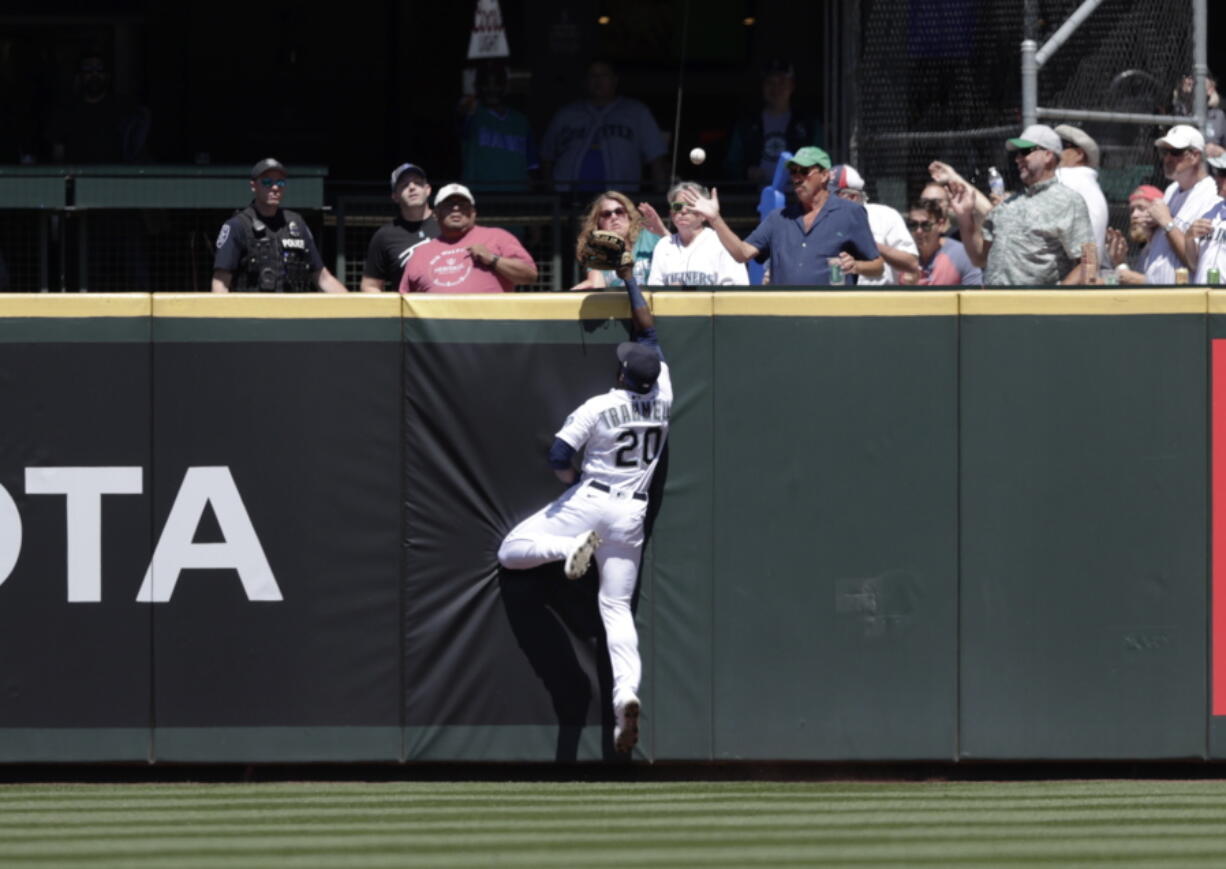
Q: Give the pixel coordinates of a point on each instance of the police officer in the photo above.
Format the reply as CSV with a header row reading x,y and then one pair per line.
x,y
266,248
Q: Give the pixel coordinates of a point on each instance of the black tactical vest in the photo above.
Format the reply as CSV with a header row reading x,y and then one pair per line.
x,y
276,261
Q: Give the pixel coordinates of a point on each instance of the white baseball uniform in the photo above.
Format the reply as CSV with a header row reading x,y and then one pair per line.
x,y
622,434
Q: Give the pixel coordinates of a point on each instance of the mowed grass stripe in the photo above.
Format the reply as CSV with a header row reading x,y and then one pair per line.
x,y
660,824
548,793
68,841
825,814
682,851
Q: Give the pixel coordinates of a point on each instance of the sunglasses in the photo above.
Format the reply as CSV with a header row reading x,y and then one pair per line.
x,y
793,169
913,225
612,212
272,182
1172,152
1217,173
678,207
1026,152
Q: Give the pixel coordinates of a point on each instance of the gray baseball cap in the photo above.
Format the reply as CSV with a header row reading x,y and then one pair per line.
x,y
1036,136
267,165
1082,139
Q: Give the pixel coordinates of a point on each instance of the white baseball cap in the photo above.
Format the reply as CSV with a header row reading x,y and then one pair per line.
x,y
1182,136
453,190
845,177
1036,136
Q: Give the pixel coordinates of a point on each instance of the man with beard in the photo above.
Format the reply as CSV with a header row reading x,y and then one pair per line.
x,y
1141,227
1035,237
802,238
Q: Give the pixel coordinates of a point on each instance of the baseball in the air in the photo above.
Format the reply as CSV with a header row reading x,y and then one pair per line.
x,y
697,156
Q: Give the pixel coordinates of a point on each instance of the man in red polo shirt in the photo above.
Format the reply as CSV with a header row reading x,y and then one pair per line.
x,y
466,258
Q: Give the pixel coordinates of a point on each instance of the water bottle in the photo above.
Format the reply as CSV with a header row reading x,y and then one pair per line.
x,y
996,183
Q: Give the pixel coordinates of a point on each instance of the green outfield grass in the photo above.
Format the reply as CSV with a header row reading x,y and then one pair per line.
x,y
1135,823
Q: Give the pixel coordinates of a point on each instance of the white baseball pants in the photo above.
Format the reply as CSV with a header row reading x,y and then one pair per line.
x,y
548,535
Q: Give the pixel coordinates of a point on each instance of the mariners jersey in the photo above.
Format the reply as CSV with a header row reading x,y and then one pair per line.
x,y
1213,245
623,433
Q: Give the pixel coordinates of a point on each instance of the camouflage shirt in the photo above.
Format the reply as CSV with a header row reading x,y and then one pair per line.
x,y
1036,235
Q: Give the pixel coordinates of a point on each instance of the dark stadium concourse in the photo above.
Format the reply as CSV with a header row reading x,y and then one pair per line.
x,y
373,84
370,85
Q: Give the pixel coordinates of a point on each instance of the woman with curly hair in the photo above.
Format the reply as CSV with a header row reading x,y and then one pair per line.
x,y
640,226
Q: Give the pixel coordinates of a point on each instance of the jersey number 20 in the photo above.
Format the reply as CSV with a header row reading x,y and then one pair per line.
x,y
638,452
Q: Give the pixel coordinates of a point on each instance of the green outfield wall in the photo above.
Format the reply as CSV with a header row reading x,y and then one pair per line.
x,y
888,526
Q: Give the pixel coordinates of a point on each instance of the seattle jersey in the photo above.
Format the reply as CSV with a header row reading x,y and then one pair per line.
x,y
623,433
1213,245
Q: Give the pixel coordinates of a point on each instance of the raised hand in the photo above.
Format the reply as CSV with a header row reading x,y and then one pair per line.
x,y
943,173
1200,228
652,220
961,198
707,207
1117,246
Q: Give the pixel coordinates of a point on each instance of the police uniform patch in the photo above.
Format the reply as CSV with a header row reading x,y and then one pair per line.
x,y
223,236
293,228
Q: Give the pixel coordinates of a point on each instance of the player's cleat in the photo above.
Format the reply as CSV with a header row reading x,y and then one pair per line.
x,y
626,730
581,555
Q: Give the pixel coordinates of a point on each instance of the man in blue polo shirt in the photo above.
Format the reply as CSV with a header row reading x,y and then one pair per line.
x,y
801,238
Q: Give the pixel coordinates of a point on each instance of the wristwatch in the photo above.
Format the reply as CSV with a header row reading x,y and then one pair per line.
x,y
1169,226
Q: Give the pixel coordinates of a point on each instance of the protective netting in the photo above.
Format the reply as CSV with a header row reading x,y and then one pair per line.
x,y
941,79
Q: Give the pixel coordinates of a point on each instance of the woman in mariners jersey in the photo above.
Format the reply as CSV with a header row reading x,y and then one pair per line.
x,y
601,514
693,256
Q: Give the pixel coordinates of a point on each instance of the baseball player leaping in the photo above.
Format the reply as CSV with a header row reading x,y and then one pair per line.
x,y
602,514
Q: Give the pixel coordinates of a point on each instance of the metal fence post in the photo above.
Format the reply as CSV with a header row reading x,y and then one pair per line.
x,y
1030,84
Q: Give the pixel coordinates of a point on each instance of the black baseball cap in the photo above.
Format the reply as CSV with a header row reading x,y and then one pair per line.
x,y
266,165
408,167
640,365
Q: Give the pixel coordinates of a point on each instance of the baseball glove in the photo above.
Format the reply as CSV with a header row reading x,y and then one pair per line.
x,y
605,251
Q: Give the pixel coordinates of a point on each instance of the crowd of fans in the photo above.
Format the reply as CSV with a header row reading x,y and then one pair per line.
x,y
826,232
1052,231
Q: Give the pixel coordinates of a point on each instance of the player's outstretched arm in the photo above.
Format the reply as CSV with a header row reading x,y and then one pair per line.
x,y
640,311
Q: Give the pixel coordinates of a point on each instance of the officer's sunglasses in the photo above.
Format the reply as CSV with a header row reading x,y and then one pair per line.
x,y
273,182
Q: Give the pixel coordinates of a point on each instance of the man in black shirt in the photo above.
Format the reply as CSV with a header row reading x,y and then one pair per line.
x,y
393,243
266,248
